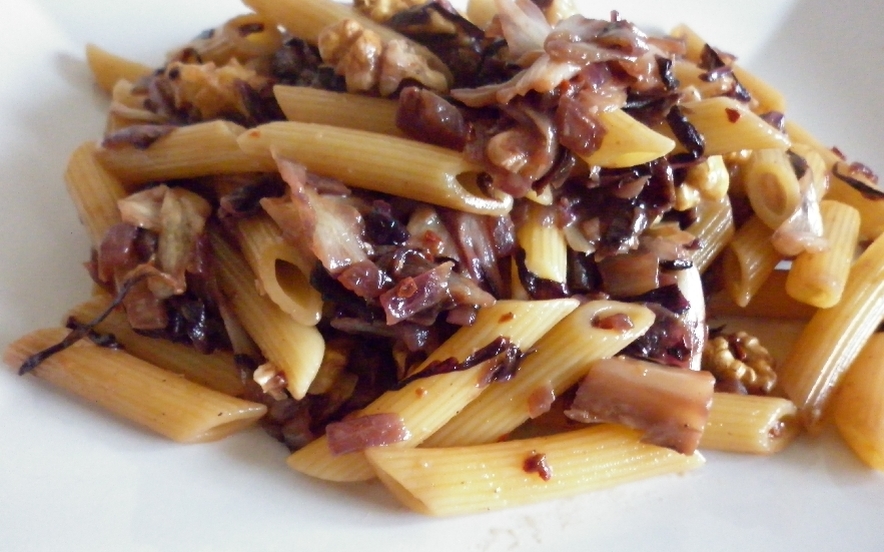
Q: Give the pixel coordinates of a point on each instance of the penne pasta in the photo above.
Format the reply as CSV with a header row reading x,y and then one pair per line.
x,y
834,337
282,271
293,348
461,480
94,192
714,229
771,186
376,162
859,407
871,211
765,97
750,423
481,12
216,370
749,260
426,404
136,390
770,301
818,279
200,149
313,105
546,251
728,126
422,314
627,142
562,357
108,68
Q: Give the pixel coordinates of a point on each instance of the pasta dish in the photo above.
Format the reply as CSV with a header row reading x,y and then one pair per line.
x,y
481,257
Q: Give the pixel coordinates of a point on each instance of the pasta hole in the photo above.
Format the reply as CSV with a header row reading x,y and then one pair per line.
x,y
774,194
472,182
291,280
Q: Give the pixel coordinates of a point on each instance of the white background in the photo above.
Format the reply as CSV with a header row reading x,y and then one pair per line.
x,y
73,478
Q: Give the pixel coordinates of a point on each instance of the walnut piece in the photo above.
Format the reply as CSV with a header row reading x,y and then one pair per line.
x,y
211,91
740,362
368,62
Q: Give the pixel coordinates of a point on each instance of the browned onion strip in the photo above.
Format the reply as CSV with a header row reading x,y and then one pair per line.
x,y
670,405
360,433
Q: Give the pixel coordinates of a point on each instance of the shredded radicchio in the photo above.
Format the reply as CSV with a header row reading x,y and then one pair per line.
x,y
860,178
361,432
507,360
138,136
537,287
79,331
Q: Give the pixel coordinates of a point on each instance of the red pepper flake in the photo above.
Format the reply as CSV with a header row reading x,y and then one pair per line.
x,y
421,392
619,321
732,114
507,317
406,288
536,463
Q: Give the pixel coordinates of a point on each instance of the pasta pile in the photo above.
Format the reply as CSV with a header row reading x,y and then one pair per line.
x,y
485,278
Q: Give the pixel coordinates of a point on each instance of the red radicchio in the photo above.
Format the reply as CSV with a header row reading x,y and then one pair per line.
x,y
362,432
670,405
329,226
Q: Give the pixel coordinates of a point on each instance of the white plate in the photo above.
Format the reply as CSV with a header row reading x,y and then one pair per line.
x,y
73,478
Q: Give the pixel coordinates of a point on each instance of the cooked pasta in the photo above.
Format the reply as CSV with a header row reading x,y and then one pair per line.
x,y
460,480
834,337
137,390
427,403
418,278
376,162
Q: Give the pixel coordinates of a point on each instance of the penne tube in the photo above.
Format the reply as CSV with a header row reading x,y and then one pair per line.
x,y
108,68
627,142
714,229
461,480
765,97
871,211
376,162
817,166
136,390
282,271
729,126
750,423
481,12
546,251
770,301
294,348
426,404
340,109
859,405
690,77
771,186
216,370
94,192
818,279
834,337
561,358
748,260
200,149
